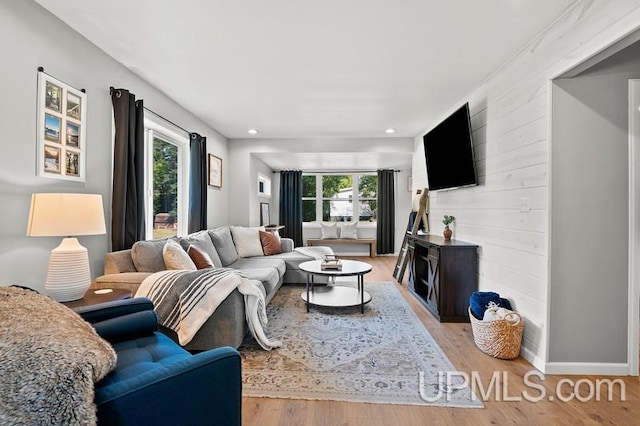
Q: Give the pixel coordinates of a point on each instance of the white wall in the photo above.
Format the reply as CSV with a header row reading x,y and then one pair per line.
x,y
244,204
510,120
33,37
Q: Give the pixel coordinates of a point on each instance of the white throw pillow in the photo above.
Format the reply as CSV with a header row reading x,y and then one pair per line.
x,y
349,230
247,241
175,257
329,231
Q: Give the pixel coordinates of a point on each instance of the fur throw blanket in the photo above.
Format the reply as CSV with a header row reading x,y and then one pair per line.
x,y
49,360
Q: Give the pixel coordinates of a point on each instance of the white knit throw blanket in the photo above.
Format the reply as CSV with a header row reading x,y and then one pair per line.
x,y
184,300
316,252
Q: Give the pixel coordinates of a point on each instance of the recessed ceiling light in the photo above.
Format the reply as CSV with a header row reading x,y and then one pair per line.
x,y
390,130
253,131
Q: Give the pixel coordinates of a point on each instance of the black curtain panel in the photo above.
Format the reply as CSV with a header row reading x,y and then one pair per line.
x,y
385,231
291,205
127,201
198,183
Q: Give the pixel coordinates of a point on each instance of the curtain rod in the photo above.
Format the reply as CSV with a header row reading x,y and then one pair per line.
x,y
339,171
168,121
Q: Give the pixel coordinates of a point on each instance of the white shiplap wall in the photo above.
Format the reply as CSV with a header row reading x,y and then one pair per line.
x,y
510,118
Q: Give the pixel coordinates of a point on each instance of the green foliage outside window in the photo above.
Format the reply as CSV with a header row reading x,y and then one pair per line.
x,y
165,178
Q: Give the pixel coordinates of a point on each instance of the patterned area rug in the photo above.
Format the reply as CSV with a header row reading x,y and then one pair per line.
x,y
382,356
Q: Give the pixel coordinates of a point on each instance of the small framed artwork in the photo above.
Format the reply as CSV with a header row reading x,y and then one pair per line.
x,y
265,217
61,130
215,171
73,135
73,163
52,128
53,97
51,159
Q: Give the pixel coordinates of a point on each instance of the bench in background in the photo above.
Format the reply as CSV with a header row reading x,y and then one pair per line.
x,y
330,241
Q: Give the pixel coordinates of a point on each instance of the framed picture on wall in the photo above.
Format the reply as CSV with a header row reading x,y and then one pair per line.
x,y
215,171
264,214
61,152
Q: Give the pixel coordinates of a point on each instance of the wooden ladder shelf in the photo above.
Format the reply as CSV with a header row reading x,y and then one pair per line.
x,y
421,207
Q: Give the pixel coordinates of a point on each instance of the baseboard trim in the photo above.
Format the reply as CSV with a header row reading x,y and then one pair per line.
x,y
587,368
533,359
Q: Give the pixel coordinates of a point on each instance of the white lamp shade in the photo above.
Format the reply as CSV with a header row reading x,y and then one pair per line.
x,y
58,215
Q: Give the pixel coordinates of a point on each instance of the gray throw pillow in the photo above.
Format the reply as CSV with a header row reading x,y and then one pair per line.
x,y
203,241
223,243
147,255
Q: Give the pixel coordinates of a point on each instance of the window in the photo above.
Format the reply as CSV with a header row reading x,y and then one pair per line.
x,y
331,197
167,182
337,198
368,197
264,186
308,198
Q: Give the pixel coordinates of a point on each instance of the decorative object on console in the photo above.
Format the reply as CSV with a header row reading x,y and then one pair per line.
x,y
61,129
215,171
64,215
265,217
447,231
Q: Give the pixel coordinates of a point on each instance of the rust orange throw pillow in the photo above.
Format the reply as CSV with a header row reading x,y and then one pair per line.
x,y
270,244
199,257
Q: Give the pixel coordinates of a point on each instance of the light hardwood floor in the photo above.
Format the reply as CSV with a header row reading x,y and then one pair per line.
x,y
457,342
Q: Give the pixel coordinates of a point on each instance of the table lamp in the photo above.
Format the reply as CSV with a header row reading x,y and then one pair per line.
x,y
66,215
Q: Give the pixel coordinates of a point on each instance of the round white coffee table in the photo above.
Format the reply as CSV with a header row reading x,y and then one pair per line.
x,y
333,295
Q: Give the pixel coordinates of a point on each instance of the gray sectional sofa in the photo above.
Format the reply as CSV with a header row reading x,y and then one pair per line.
x,y
127,269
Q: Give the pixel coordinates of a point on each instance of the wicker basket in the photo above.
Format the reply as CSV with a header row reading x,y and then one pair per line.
x,y
497,338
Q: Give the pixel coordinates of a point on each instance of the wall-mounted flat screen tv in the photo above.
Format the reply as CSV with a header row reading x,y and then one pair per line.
x,y
448,150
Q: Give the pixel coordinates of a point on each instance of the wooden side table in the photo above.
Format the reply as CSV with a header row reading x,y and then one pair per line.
x,y
101,295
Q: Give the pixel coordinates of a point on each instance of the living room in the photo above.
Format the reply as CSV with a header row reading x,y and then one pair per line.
x,y
509,215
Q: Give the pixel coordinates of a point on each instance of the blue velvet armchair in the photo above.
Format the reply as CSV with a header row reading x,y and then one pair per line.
x,y
157,382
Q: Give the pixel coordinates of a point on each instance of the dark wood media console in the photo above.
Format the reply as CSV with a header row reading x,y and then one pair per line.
x,y
442,275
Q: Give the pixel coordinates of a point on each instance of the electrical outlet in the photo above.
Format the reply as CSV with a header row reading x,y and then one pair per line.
x,y
524,205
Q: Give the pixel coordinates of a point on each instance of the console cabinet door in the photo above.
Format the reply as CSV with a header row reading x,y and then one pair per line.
x,y
432,296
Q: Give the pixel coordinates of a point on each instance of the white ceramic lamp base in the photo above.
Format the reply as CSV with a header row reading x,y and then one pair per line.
x,y
68,277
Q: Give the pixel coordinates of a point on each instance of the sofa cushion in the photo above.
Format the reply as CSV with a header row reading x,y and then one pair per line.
x,y
291,259
116,262
199,257
270,243
247,241
175,257
223,243
126,278
329,230
269,277
136,357
260,262
147,255
202,240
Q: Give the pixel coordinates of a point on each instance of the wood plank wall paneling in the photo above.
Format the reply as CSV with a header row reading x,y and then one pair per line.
x,y
510,116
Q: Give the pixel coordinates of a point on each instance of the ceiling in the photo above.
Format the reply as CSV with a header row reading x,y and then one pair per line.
x,y
330,161
308,68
